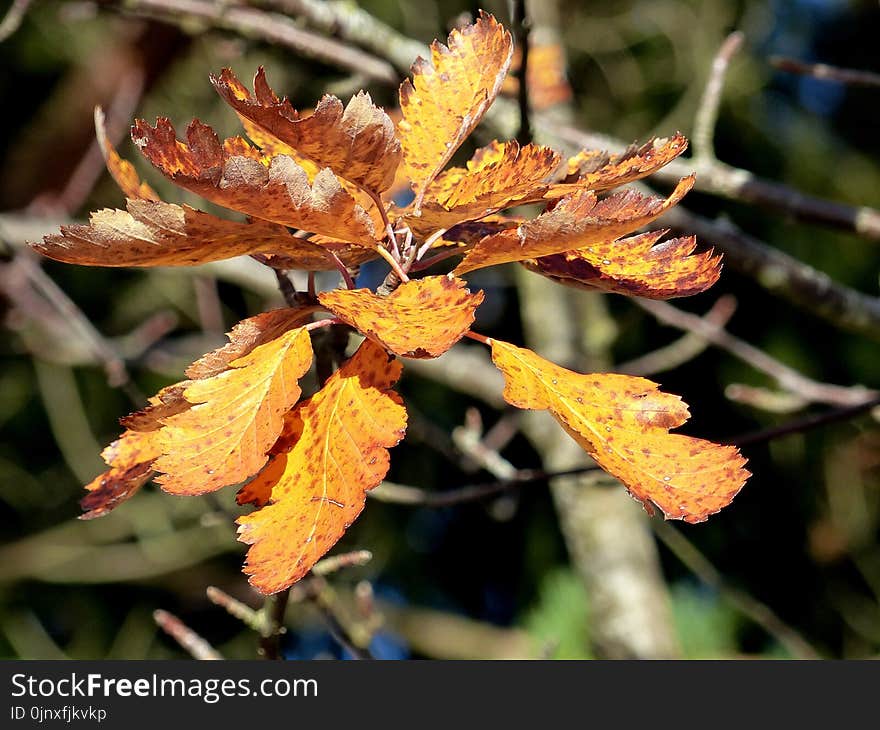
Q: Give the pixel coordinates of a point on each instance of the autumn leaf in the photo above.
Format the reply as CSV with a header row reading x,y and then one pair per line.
x,y
122,171
498,176
638,266
341,453
236,417
358,142
599,170
151,233
130,458
448,96
577,221
166,403
247,335
235,175
422,318
623,422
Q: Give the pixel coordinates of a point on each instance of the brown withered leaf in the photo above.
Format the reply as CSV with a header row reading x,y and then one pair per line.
x,y
623,422
130,458
248,334
233,174
448,96
599,170
577,221
358,142
498,176
320,485
422,318
236,418
638,266
166,403
122,171
153,233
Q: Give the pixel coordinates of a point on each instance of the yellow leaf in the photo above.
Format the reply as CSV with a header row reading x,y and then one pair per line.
x,y
637,266
236,418
577,221
422,318
599,170
448,96
122,171
318,489
623,422
501,175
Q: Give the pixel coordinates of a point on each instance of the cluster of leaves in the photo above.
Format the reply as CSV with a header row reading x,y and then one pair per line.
x,y
316,189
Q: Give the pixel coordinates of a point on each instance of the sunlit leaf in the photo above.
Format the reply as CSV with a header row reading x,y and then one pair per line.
x,y
623,422
235,175
638,266
448,96
236,418
577,221
319,487
422,318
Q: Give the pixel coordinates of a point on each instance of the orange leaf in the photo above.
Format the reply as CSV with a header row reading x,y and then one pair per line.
x,y
122,171
153,233
422,318
130,458
500,175
342,452
448,96
599,170
577,221
247,335
236,176
357,143
236,417
635,266
623,422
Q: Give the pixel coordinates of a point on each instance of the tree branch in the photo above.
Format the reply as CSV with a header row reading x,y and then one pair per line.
x,y
269,27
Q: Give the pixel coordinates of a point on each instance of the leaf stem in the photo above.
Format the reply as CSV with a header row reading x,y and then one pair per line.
x,y
393,263
346,276
322,323
479,338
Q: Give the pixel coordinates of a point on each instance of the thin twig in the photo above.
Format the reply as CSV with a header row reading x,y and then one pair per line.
x,y
415,496
710,103
852,77
286,287
322,596
189,640
12,20
757,611
104,352
806,423
255,620
334,563
274,608
685,348
786,377
269,27
521,28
